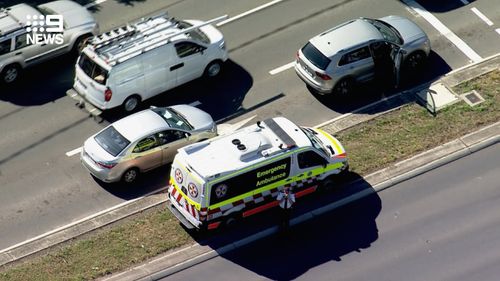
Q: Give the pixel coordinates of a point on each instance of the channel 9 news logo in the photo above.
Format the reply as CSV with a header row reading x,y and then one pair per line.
x,y
44,30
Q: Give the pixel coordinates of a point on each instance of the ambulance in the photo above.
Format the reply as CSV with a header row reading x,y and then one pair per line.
x,y
215,182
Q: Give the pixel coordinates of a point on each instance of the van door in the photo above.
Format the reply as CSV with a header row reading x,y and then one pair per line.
x,y
191,61
309,163
158,77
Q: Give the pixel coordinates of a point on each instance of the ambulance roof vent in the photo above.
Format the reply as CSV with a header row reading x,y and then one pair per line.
x,y
254,143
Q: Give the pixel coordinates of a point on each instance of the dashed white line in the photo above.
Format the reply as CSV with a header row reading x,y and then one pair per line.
x,y
195,103
459,43
481,16
465,2
498,30
282,68
249,12
74,151
92,4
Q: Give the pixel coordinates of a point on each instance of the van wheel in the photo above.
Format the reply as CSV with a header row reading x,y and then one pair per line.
x,y
11,73
213,69
131,103
130,176
344,87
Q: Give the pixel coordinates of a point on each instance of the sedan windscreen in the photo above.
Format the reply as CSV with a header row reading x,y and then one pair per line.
x,y
111,141
315,56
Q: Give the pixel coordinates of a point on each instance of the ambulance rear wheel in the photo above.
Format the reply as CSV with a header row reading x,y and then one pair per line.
x,y
230,221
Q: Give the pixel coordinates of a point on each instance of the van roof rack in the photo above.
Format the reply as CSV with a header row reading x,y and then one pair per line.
x,y
123,43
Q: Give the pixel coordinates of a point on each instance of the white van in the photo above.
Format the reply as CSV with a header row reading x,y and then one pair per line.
x,y
133,63
214,182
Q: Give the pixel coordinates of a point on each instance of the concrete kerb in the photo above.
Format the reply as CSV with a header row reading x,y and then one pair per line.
x,y
379,180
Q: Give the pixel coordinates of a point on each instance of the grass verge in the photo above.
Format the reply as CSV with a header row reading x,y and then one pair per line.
x,y
371,146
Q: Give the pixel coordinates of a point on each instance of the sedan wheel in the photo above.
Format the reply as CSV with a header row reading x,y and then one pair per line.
x,y
130,176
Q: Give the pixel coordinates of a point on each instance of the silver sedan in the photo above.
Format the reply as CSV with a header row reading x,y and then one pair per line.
x,y
143,141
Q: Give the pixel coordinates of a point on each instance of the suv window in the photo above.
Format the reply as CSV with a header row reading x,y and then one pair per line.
x,y
21,41
310,159
185,49
354,56
315,56
5,47
92,69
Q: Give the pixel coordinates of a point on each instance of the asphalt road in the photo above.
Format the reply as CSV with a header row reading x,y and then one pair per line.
x,y
42,188
441,225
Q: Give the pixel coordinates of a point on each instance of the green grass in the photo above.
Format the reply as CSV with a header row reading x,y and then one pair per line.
x,y
370,146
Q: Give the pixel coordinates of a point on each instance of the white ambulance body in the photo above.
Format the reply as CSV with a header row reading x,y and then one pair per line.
x,y
237,175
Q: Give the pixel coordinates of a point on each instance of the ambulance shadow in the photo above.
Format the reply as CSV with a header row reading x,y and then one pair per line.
x,y
42,83
324,239
220,96
370,92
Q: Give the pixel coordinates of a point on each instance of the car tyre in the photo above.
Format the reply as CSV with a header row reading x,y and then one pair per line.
x,y
11,73
213,69
344,87
131,103
130,176
415,62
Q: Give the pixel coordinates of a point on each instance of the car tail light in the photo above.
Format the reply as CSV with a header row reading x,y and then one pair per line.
x,y
108,94
106,165
323,76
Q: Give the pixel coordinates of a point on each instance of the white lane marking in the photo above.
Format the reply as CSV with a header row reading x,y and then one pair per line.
x,y
468,51
498,30
481,16
249,12
282,68
82,220
92,4
74,151
195,103
465,2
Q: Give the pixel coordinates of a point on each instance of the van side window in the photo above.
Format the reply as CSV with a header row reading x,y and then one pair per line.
x,y
146,144
5,47
354,56
310,159
185,49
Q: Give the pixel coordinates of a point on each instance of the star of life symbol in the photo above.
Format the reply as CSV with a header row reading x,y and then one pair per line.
x,y
46,29
193,190
178,176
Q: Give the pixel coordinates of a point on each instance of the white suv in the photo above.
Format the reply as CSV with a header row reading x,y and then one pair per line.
x,y
19,25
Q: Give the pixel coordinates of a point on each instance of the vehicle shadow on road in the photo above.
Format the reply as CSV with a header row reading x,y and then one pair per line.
x,y
374,91
348,229
220,96
441,6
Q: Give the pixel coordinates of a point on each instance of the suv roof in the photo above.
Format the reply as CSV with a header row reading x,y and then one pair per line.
x,y
345,36
245,147
14,18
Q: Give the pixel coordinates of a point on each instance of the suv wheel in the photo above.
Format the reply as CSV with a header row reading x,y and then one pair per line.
x,y
131,103
10,73
344,87
213,69
130,176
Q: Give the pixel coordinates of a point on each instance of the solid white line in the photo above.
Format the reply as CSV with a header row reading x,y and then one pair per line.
x,y
481,16
74,151
249,12
282,68
465,2
92,4
81,220
195,103
497,30
468,51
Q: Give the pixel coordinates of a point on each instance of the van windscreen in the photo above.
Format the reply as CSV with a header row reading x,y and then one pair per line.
x,y
92,69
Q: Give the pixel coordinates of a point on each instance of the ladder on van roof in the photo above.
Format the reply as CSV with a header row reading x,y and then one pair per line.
x,y
121,45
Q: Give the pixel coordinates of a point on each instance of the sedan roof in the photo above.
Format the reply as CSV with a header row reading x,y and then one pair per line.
x,y
345,36
140,124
